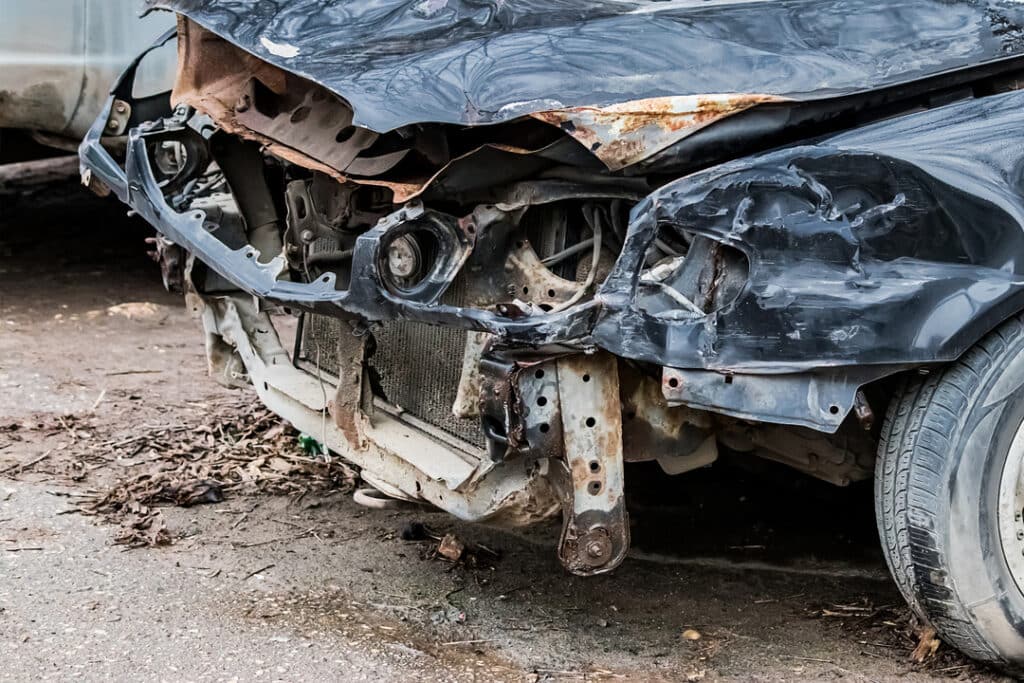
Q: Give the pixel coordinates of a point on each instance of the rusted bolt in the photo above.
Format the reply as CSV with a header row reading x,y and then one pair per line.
x,y
596,547
243,103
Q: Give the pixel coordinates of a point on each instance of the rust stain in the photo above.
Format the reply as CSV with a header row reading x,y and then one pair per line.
x,y
214,76
624,133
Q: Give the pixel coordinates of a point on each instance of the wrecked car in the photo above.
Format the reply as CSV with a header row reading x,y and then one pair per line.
x,y
526,243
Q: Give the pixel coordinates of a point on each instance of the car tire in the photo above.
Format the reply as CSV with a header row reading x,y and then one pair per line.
x,y
948,498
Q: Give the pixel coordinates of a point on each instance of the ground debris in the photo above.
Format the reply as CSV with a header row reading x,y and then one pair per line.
x,y
895,627
449,547
142,527
927,644
233,448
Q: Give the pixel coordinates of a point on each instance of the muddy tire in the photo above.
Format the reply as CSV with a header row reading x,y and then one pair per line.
x,y
949,496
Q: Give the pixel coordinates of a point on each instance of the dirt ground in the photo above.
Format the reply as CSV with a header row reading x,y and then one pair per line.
x,y
102,374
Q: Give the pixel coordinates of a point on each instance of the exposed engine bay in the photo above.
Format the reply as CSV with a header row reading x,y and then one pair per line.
x,y
496,311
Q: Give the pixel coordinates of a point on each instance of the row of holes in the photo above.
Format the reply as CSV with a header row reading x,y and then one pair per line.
x,y
551,292
594,487
302,113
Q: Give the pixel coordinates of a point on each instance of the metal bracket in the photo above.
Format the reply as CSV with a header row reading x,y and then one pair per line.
x,y
519,408
347,408
595,531
120,115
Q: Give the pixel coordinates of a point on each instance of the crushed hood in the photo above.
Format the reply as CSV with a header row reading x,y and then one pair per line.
x,y
399,62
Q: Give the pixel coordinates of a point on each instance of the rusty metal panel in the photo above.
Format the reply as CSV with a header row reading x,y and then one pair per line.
x,y
628,132
595,535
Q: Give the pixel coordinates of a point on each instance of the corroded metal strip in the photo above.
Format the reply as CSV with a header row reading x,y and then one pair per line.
x,y
625,133
595,533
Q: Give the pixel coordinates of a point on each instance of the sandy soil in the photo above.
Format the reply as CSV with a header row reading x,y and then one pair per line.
x,y
780,576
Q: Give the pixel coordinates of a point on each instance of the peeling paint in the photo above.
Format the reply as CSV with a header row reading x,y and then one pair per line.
x,y
279,49
625,133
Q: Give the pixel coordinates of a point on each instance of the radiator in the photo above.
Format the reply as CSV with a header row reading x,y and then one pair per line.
x,y
417,368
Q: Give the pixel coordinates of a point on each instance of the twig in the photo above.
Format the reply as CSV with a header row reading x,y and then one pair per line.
x,y
282,521
868,642
99,400
261,569
22,467
274,540
133,372
812,659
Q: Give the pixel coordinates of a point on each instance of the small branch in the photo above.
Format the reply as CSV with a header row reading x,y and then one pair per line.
x,y
258,571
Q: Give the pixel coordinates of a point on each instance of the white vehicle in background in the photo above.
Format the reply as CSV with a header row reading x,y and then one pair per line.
x,y
58,60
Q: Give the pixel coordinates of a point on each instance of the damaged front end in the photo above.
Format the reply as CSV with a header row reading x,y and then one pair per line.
x,y
495,318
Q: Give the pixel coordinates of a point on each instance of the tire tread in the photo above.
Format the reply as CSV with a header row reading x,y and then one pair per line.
x,y
920,428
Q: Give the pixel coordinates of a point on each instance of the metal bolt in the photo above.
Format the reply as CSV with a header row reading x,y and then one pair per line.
x,y
596,548
112,124
243,103
307,236
121,108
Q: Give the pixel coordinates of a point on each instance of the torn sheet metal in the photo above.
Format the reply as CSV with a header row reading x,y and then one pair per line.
x,y
625,133
897,243
399,62
299,121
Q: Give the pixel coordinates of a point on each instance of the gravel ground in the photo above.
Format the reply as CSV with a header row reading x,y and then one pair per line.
x,y
780,577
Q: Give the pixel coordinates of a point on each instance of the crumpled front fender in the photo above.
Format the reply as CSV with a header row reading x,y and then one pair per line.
x,y
899,243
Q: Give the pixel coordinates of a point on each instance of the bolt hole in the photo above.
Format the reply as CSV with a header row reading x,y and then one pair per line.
x,y
326,278
300,115
344,134
673,382
586,378
834,410
551,293
542,400
591,422
595,466
539,374
594,488
471,229
526,290
728,379
248,254
545,428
